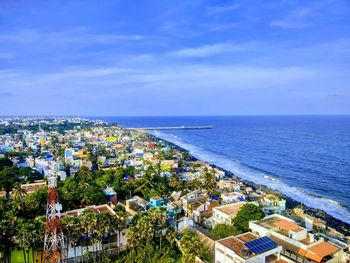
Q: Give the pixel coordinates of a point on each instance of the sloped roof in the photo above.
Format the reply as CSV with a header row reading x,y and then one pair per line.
x,y
321,250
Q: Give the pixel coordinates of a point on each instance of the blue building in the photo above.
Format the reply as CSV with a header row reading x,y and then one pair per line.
x,y
156,201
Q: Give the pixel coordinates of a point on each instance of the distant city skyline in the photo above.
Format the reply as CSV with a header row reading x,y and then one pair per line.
x,y
167,58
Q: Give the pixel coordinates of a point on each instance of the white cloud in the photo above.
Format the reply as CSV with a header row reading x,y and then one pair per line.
x,y
7,55
213,27
210,50
222,77
221,9
9,73
85,73
294,20
72,36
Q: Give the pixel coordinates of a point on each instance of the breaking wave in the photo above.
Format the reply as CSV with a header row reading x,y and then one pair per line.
x,y
262,177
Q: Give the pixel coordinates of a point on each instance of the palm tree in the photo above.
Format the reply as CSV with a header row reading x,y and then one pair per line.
x,y
120,220
157,217
7,180
146,183
71,229
88,221
105,225
170,235
38,234
7,230
25,238
18,192
208,179
191,246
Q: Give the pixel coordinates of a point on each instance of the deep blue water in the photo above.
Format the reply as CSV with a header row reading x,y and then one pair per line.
x,y
308,156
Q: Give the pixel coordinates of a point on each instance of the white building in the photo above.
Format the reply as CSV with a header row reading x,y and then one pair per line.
x,y
298,245
248,248
80,251
273,204
233,197
225,213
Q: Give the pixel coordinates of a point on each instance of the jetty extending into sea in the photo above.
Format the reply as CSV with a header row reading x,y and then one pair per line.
x,y
173,128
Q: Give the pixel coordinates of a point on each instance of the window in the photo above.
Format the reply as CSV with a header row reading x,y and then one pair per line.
x,y
221,251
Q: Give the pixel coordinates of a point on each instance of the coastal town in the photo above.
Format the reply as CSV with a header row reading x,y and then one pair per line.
x,y
124,195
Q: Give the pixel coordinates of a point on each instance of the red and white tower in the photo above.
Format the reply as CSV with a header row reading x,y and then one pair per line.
x,y
54,248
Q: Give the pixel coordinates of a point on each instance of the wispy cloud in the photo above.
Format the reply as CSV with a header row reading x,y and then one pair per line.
x,y
210,50
6,94
72,36
294,20
221,9
9,73
213,27
85,73
7,55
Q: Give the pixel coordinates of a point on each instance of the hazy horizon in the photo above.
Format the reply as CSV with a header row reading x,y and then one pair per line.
x,y
177,116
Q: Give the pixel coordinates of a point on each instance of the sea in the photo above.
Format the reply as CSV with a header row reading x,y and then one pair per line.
x,y
305,157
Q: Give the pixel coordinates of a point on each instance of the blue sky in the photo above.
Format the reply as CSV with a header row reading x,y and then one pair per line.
x,y
192,57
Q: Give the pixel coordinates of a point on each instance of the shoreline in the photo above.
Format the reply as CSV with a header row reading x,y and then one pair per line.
x,y
331,221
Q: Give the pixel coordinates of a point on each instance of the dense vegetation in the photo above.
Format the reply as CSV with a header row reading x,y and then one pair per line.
x,y
22,215
150,239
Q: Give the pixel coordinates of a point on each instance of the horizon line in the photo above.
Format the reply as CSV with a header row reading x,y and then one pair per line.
x,y
158,116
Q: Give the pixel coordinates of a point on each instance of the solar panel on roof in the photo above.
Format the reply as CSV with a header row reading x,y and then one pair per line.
x,y
261,245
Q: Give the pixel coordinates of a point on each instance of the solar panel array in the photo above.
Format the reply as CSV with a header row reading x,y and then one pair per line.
x,y
261,245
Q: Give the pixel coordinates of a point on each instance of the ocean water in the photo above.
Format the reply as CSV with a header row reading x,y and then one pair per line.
x,y
305,157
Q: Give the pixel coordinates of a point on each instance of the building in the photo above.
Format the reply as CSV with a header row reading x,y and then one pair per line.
x,y
193,200
298,245
79,251
32,187
204,211
247,247
225,213
232,197
273,204
111,195
156,201
135,205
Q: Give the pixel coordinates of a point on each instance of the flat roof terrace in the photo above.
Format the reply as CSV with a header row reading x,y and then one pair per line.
x,y
281,226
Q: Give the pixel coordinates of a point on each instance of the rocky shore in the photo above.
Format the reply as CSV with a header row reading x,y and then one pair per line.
x,y
331,221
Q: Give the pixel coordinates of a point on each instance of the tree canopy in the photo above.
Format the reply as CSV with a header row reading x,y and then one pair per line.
x,y
224,230
248,212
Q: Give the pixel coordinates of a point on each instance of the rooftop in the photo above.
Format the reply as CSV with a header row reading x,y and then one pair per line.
x,y
280,225
156,198
233,243
287,225
230,209
247,237
321,250
98,209
316,252
248,244
33,186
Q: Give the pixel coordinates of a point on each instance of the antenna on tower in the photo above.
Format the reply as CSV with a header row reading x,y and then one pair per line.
x,y
54,248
